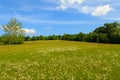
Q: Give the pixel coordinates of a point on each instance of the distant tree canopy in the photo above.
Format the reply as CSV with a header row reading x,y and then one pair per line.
x,y
111,32
108,33
13,33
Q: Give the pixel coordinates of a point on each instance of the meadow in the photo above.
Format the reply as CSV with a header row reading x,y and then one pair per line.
x,y
60,60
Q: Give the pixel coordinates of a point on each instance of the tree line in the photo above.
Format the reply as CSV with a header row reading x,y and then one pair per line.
x,y
108,33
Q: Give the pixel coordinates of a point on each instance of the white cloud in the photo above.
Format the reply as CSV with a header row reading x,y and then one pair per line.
x,y
29,31
85,10
64,4
63,7
96,10
84,6
101,10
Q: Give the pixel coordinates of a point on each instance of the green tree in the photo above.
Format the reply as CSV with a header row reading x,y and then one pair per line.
x,y
113,31
13,32
110,33
27,38
100,30
80,36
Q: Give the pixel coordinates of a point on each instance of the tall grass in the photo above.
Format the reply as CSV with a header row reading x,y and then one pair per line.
x,y
60,60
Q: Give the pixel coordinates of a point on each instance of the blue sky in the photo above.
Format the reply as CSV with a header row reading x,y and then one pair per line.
x,y
47,17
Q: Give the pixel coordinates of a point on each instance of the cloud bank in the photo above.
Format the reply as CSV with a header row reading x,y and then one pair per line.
x,y
79,5
29,31
101,10
67,3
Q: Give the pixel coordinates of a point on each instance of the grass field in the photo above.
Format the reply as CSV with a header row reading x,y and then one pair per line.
x,y
60,60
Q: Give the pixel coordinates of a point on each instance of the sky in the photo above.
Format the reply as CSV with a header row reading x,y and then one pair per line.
x,y
48,17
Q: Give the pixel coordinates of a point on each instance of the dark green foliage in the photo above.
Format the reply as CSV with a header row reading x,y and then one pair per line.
x,y
34,38
111,31
27,38
0,39
80,37
102,38
100,30
7,39
66,37
97,37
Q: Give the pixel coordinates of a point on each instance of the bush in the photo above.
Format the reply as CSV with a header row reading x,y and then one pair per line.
x,y
13,33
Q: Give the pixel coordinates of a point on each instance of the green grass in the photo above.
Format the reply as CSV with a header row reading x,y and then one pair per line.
x,y
60,60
